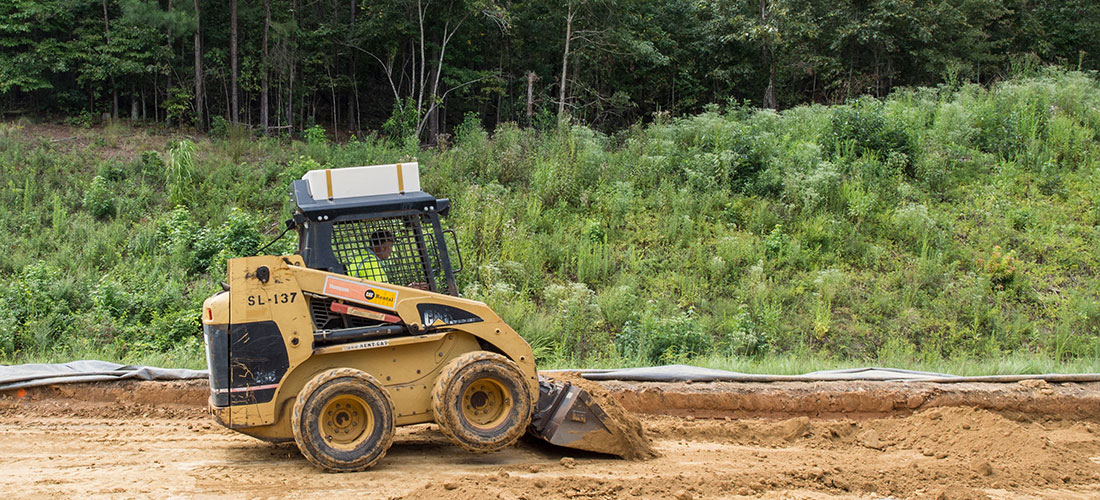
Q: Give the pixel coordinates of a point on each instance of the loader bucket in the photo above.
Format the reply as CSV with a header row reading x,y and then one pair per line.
x,y
569,416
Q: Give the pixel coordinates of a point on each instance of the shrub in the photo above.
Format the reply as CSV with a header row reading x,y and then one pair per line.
x,y
111,170
178,106
1001,267
402,122
219,127
82,120
861,127
912,224
172,328
315,135
578,321
99,199
664,339
777,242
470,133
741,336
38,308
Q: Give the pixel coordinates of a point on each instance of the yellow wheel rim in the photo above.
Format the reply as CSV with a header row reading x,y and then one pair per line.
x,y
485,403
346,421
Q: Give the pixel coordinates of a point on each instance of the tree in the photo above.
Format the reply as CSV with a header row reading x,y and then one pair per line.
x,y
233,60
265,85
199,102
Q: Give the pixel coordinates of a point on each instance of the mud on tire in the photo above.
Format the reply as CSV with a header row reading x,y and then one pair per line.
x,y
481,402
343,420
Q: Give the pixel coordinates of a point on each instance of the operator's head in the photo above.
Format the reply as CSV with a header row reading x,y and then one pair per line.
x,y
381,243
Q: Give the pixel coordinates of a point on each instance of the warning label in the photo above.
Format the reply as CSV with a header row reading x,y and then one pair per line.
x,y
360,292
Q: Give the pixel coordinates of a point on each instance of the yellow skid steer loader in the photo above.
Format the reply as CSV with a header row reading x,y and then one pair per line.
x,y
362,330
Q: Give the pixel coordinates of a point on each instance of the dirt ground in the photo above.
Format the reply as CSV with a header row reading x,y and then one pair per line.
x,y
925,441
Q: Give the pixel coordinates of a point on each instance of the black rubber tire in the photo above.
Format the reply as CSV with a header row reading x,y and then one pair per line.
x,y
329,388
448,400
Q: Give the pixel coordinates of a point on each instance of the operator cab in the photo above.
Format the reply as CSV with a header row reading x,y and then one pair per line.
x,y
343,213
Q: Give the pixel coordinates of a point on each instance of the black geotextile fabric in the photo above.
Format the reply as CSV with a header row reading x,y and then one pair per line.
x,y
34,375
687,373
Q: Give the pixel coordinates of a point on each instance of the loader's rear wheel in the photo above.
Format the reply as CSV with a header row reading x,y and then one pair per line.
x,y
343,420
481,402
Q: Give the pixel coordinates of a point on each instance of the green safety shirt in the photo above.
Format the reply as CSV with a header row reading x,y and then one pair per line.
x,y
368,267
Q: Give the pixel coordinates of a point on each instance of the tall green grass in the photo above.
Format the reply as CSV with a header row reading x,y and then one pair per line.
x,y
944,228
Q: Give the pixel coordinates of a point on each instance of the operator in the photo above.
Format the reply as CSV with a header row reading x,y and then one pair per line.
x,y
370,266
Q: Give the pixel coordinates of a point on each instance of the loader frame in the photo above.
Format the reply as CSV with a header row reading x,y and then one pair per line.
x,y
263,335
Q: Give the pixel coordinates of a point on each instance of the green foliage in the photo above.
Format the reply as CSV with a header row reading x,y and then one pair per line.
x,y
99,200
577,321
181,173
402,121
37,310
200,249
82,120
664,339
314,135
178,106
1002,267
863,126
219,127
929,228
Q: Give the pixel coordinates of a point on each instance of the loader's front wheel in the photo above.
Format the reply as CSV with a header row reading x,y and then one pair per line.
x,y
481,402
343,420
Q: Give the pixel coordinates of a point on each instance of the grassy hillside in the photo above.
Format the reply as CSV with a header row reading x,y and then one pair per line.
x,y
938,227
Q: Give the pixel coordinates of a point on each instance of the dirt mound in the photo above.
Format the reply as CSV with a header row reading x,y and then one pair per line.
x,y
989,445
114,399
627,436
851,399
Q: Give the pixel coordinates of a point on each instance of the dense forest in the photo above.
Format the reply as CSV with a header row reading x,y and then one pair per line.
x,y
416,68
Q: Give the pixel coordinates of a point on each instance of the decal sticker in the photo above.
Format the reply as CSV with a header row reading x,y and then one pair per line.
x,y
360,292
366,345
246,389
276,298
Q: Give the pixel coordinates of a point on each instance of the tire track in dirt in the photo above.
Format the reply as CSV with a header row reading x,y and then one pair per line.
x,y
107,445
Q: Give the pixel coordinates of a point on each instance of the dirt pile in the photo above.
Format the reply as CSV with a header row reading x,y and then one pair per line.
x,y
627,437
852,399
990,446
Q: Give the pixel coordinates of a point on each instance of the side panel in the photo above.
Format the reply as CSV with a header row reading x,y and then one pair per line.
x,y
407,367
216,339
270,333
258,360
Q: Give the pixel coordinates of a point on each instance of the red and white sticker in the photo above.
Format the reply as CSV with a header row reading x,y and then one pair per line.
x,y
360,292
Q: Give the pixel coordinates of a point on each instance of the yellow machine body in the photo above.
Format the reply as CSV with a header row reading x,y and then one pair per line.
x,y
266,312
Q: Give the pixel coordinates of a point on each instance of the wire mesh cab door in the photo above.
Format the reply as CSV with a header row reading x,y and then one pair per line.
x,y
403,248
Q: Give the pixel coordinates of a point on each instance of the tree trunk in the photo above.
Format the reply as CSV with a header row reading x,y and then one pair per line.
x,y
199,104
293,59
235,117
353,93
565,59
433,123
769,92
168,79
264,83
107,38
531,77
133,104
